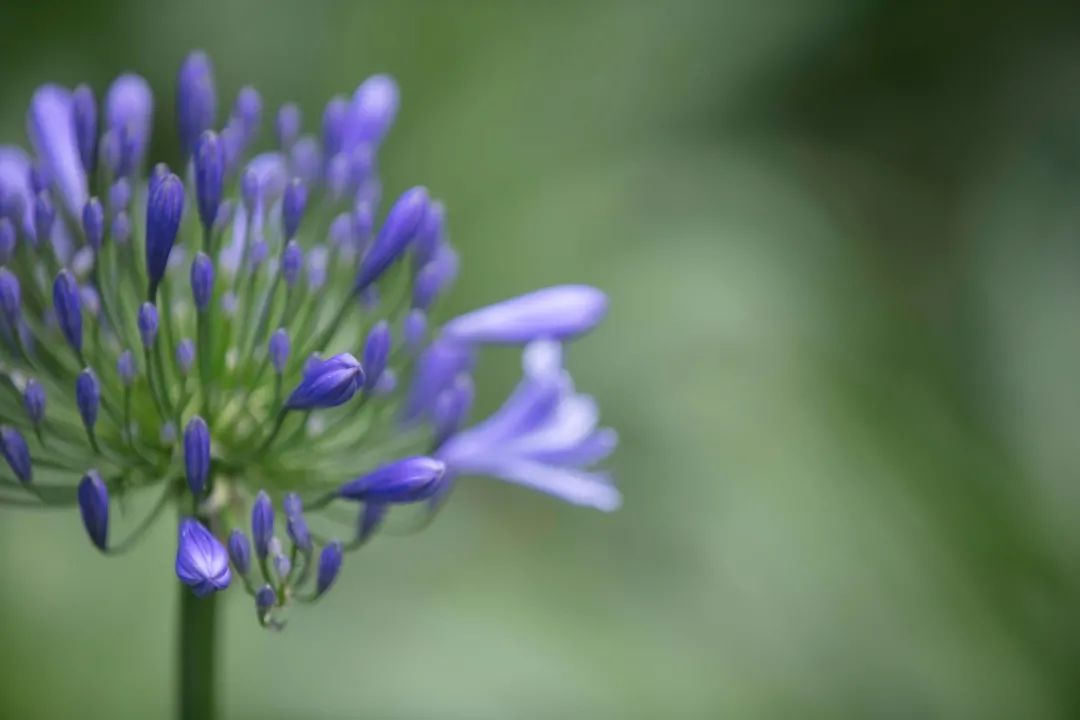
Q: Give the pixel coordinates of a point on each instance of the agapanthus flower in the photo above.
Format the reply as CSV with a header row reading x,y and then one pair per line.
x,y
252,332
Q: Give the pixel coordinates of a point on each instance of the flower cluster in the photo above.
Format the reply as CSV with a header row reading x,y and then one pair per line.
x,y
253,337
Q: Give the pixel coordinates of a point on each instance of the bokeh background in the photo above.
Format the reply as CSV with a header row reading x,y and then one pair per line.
x,y
842,242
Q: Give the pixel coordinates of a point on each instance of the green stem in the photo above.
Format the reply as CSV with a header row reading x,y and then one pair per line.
x,y
196,639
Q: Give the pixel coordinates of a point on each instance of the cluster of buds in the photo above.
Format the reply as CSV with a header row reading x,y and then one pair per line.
x,y
245,340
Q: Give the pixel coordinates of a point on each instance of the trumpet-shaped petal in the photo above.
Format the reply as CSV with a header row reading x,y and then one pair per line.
x,y
555,313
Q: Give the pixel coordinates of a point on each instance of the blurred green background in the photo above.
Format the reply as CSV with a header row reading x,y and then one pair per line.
x,y
842,242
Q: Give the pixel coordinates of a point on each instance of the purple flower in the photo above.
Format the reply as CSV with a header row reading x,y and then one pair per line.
x,y
14,449
555,313
430,236
148,324
436,369
293,205
125,368
376,353
265,598
196,100
409,480
292,259
295,524
34,401
373,109
414,330
452,407
93,222
52,133
262,523
201,561
84,120
197,454
202,281
129,105
397,231
240,551
279,349
88,397
287,125
163,211
10,297
68,308
7,240
370,519
209,176
329,567
327,384
543,437
93,499
185,356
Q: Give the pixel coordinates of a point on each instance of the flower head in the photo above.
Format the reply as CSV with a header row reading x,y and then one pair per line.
x,y
222,374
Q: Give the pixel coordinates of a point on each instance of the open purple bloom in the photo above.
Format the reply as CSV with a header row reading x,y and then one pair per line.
x,y
543,437
201,561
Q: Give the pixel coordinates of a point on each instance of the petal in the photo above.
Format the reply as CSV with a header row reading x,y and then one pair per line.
x,y
574,486
557,313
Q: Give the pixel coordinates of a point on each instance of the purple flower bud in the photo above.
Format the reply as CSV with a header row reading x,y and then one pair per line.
x,y
209,176
93,499
240,551
373,109
371,518
409,480
10,297
248,110
328,384
249,188
39,181
292,206
202,281
34,401
13,446
436,369
399,228
44,217
197,454
201,561
52,134
313,360
225,215
88,397
185,356
387,383
452,407
337,176
120,229
129,105
329,567
68,308
265,598
414,330
125,368
282,566
426,287
316,264
287,125
148,324
554,313
120,195
163,210
88,296
7,240
262,523
196,99
84,119
305,160
376,352
430,235
279,349
93,219
295,524
292,258
333,127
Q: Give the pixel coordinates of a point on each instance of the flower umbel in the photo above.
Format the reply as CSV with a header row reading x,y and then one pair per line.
x,y
194,332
